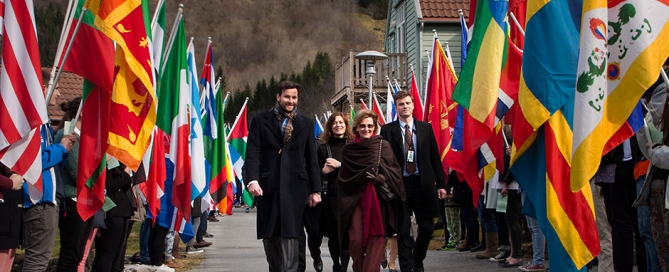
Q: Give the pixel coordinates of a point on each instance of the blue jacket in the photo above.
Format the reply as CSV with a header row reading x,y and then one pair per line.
x,y
52,155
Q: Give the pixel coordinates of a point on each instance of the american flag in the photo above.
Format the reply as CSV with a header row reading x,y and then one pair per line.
x,y
22,105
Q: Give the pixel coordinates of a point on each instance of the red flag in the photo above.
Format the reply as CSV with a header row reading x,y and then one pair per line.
x,y
418,104
22,105
376,108
154,186
440,111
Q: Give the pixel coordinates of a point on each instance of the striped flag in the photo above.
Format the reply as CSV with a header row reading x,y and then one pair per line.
x,y
198,175
22,105
175,96
477,90
209,94
158,35
237,143
391,112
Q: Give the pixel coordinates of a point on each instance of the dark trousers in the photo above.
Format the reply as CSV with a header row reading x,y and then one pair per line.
x,y
503,233
202,228
157,244
471,223
412,255
513,207
282,253
73,235
144,233
109,247
619,215
314,237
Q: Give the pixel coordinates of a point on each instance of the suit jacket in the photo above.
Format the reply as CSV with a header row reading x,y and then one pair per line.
x,y
427,159
287,177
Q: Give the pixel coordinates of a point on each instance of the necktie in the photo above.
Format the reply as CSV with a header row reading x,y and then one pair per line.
x,y
408,145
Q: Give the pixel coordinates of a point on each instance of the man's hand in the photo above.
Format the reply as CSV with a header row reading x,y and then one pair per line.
x,y
17,180
314,199
255,189
68,142
504,191
441,193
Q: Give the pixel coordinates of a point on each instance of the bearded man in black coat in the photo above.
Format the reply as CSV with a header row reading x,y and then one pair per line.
x,y
281,171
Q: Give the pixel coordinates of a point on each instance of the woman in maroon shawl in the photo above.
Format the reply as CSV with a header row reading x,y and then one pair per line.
x,y
365,216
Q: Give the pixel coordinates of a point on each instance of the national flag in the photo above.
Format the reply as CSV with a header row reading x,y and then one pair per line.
x,y
92,168
175,96
170,216
440,108
133,110
158,35
351,115
478,91
198,175
376,108
91,45
391,112
22,105
237,139
363,105
209,93
464,37
217,156
418,102
318,127
610,83
546,99
154,186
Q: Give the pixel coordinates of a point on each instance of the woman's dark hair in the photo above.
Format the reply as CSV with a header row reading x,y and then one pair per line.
x,y
327,130
70,109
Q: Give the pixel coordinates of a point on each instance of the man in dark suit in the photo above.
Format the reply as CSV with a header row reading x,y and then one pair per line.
x,y
281,171
416,150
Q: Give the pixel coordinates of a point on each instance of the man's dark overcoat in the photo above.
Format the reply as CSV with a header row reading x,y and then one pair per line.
x,y
287,174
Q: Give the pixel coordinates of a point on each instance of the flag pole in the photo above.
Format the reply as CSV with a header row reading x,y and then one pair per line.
x,y
172,34
204,88
225,100
227,137
52,86
515,21
664,76
154,20
59,51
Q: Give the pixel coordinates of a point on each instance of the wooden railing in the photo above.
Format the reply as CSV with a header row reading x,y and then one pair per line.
x,y
351,82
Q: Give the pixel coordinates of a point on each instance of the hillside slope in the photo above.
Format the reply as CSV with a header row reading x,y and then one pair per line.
x,y
257,39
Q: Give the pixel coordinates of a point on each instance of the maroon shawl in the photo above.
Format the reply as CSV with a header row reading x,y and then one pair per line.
x,y
357,159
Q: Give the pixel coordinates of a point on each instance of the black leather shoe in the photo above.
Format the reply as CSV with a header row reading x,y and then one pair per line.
x,y
318,265
479,247
422,269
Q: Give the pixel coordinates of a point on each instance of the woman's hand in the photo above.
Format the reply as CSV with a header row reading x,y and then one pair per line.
x,y
330,165
504,191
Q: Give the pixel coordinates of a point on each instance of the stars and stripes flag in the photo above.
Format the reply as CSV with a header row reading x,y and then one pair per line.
x,y
22,105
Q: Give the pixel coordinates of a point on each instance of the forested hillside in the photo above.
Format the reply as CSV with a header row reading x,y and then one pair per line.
x,y
256,39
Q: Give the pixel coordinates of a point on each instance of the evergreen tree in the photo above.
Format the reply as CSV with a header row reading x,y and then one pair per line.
x,y
49,21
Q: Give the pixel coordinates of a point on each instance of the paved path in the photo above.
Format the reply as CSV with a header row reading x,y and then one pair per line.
x,y
236,249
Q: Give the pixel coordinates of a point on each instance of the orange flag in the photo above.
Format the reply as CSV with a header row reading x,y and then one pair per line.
x,y
133,110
